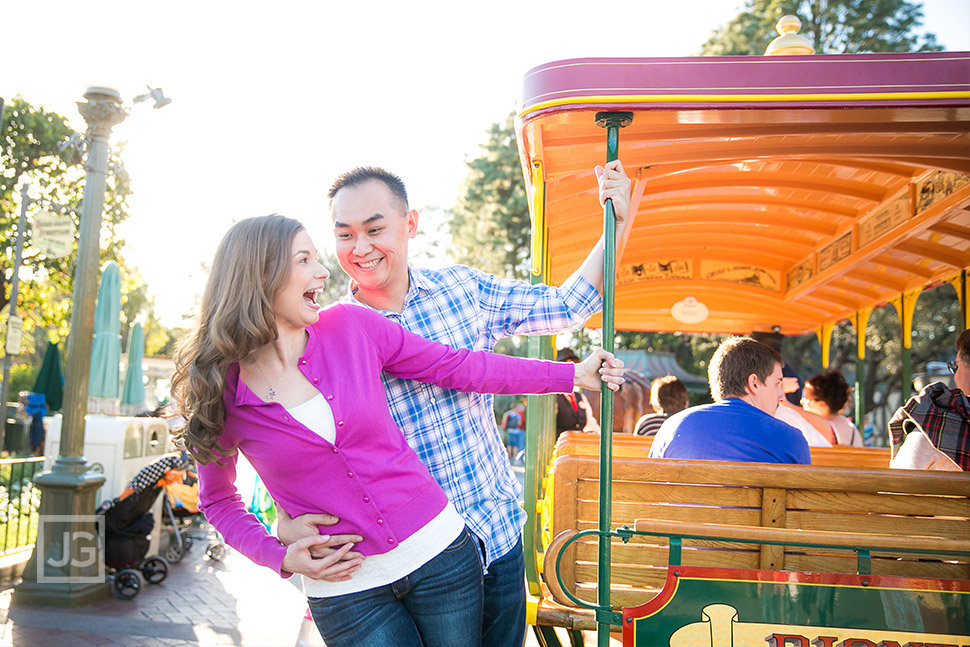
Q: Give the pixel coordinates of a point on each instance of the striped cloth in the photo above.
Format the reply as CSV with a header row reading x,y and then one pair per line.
x,y
649,424
153,472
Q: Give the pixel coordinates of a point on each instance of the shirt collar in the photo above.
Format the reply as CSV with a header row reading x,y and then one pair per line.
x,y
734,401
418,281
240,392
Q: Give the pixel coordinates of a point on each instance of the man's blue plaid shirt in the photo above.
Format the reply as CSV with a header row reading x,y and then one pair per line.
x,y
455,433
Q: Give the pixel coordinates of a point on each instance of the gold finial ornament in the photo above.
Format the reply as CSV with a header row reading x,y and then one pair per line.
x,y
790,42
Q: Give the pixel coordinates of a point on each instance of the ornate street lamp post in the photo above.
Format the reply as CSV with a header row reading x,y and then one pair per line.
x,y
67,567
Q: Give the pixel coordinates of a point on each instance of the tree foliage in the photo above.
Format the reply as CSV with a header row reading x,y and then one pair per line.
x,y
336,286
833,27
935,332
34,149
490,225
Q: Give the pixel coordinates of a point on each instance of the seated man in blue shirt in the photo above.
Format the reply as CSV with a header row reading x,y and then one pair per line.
x,y
745,378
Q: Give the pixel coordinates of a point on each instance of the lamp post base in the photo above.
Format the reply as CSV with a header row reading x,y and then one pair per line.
x,y
67,567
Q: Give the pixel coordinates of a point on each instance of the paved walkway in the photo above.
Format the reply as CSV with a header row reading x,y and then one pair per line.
x,y
200,604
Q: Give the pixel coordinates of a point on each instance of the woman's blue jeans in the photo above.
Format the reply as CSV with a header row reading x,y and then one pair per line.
x,y
438,605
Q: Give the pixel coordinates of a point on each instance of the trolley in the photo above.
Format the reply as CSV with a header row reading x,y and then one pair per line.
x,y
779,194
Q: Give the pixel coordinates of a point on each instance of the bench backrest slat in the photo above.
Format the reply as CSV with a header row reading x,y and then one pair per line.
x,y
629,446
859,500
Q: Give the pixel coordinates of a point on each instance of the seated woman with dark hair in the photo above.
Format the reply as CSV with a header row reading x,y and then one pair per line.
x,y
826,394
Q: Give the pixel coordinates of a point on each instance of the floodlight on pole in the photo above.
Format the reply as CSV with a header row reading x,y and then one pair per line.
x,y
155,94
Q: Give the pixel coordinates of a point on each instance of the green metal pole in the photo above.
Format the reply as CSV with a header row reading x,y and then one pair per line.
x,y
859,394
14,290
860,321
906,309
539,426
612,121
907,373
540,421
964,297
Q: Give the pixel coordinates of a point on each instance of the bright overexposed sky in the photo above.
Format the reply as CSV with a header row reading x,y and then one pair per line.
x,y
270,101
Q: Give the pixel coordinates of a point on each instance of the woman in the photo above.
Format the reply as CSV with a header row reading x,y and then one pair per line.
x,y
668,395
298,391
826,394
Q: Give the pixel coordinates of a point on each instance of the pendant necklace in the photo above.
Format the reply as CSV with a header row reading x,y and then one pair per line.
x,y
270,392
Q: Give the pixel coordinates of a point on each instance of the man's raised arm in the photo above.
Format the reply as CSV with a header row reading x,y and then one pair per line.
x,y
614,185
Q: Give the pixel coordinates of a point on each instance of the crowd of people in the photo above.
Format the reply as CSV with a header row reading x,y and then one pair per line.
x,y
370,421
755,421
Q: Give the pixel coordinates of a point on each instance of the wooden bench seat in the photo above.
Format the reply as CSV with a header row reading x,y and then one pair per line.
x,y
627,446
878,502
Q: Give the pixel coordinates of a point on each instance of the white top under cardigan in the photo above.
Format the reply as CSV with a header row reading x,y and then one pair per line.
x,y
409,555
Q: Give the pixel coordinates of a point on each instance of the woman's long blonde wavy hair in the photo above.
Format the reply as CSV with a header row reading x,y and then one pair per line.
x,y
235,318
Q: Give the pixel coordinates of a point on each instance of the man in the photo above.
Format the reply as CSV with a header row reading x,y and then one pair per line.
x,y
745,378
668,395
455,433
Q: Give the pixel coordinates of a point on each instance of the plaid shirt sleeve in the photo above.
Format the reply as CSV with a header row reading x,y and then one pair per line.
x,y
513,307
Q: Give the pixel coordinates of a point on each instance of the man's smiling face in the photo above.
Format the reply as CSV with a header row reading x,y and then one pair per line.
x,y
372,228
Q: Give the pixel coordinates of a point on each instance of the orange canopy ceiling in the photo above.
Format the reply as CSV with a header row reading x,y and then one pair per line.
x,y
781,193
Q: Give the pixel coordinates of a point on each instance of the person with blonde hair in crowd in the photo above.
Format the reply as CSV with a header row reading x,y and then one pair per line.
x,y
298,392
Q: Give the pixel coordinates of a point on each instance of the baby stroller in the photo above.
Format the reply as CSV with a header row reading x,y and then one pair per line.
x,y
181,510
128,521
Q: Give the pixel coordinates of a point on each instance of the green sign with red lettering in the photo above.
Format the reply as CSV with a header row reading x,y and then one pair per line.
x,y
747,608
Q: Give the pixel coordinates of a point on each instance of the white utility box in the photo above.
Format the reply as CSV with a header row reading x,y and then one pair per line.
x,y
118,447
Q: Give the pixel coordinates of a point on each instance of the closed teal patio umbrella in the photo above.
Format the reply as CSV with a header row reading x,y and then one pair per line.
x,y
105,384
50,379
133,392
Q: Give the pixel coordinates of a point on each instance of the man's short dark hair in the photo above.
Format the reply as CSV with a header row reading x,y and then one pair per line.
x,y
361,174
668,393
963,345
734,360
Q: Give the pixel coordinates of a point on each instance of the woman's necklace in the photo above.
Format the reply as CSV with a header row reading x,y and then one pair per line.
x,y
270,392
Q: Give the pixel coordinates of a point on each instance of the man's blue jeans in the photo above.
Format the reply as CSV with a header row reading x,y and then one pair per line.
x,y
503,624
438,605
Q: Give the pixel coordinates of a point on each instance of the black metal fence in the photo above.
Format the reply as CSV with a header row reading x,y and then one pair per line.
x,y
19,502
